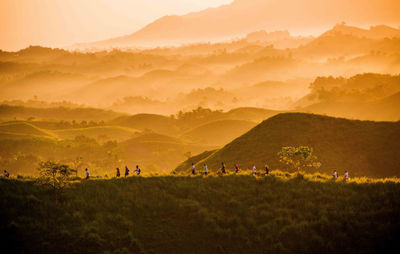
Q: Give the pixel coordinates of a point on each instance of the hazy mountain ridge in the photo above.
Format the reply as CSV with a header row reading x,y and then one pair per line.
x,y
227,21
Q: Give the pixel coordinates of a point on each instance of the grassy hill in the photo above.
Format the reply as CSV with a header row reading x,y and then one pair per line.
x,y
156,152
233,214
251,114
25,129
184,166
8,112
157,123
218,132
99,132
364,148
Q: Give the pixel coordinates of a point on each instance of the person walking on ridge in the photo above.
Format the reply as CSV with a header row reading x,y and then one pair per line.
x,y
126,171
254,170
87,174
193,169
205,169
118,173
138,170
6,174
236,168
266,170
223,170
335,176
346,175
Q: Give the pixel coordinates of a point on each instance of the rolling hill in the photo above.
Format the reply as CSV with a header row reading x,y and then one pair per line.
x,y
251,114
23,129
218,132
101,133
8,112
155,152
153,122
364,148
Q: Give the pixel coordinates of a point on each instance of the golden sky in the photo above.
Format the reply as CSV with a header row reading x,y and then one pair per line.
x,y
64,22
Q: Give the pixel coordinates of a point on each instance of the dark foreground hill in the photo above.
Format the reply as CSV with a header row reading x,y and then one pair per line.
x,y
364,148
235,214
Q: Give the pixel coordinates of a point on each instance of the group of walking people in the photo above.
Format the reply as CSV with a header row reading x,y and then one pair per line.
x,y
205,171
138,170
223,169
254,170
335,175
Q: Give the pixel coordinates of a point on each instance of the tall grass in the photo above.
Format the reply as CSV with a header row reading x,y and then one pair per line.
x,y
280,213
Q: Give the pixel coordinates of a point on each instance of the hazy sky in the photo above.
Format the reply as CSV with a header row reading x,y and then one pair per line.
x,y
64,22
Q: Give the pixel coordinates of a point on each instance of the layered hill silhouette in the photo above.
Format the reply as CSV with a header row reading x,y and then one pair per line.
x,y
364,96
345,40
243,16
364,148
8,112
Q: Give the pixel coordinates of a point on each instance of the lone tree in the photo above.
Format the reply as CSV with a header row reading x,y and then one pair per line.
x,y
54,175
299,158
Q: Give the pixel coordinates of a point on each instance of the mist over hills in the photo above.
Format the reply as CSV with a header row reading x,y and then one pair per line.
x,y
227,21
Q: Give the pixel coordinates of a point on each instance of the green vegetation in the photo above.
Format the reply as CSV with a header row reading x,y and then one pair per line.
x,y
364,148
55,175
232,214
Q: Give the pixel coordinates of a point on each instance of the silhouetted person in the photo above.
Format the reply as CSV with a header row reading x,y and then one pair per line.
x,y
223,170
335,176
193,169
205,169
254,169
346,175
236,168
87,173
6,174
126,171
266,170
138,170
118,173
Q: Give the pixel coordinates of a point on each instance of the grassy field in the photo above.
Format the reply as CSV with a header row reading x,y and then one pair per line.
x,y
282,213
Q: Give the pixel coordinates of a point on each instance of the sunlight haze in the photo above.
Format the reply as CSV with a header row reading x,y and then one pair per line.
x,y
58,23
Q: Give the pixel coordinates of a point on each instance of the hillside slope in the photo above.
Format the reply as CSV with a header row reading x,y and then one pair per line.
x,y
25,129
99,132
364,148
153,122
218,132
155,152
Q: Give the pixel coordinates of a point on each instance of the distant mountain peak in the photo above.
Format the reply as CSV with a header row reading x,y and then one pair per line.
x,y
374,32
244,16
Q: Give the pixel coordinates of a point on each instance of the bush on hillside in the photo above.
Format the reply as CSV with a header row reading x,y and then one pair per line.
x,y
55,175
298,158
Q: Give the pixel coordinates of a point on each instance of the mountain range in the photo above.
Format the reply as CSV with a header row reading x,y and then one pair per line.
x,y
245,16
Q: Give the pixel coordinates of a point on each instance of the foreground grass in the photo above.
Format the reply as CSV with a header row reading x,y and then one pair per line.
x,y
179,214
